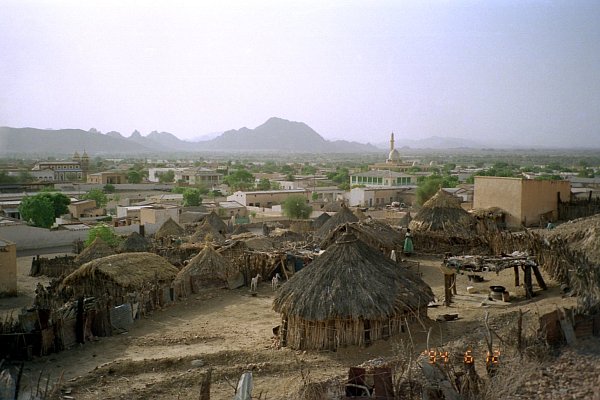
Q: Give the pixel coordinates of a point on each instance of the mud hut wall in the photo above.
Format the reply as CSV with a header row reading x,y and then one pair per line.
x,y
53,267
302,334
436,243
261,263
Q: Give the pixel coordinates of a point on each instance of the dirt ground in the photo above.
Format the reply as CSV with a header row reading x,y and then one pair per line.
x,y
166,354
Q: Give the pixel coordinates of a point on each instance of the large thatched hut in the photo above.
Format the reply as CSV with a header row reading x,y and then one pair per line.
x,y
135,243
342,217
352,294
120,274
376,234
443,213
208,269
169,228
97,249
216,222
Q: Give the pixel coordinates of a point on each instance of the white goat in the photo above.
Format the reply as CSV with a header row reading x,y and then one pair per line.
x,y
275,281
254,283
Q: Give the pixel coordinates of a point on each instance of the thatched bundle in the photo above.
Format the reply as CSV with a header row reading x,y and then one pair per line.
x,y
207,232
342,217
97,249
239,229
335,206
350,295
169,228
376,234
207,269
259,244
216,222
443,214
320,220
128,271
135,243
581,235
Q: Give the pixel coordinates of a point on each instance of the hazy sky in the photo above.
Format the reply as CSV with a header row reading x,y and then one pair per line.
x,y
524,71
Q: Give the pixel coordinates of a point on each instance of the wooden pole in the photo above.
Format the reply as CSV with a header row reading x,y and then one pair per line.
x,y
516,268
539,277
205,385
447,289
528,282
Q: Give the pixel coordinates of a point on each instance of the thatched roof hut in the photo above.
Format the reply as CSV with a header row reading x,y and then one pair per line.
x,y
443,214
352,294
376,234
335,206
119,274
216,222
135,243
320,220
207,269
342,217
97,249
169,228
205,232
259,244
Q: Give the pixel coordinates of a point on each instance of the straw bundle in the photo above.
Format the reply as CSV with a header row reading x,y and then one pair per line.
x,y
98,249
340,218
259,244
169,228
135,243
207,269
350,294
581,235
443,213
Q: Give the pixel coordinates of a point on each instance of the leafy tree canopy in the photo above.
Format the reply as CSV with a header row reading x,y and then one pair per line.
x,y
264,184
108,188
427,186
104,232
240,179
37,210
167,177
295,207
97,195
134,176
191,197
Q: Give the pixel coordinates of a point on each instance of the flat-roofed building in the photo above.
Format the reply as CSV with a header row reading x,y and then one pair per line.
x,y
267,198
382,178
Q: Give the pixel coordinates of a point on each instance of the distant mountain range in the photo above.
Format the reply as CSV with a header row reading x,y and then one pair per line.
x,y
275,135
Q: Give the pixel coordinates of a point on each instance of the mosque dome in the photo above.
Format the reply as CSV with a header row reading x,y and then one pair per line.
x,y
394,155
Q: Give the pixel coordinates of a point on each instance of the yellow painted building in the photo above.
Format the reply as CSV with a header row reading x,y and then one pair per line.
x,y
8,268
527,202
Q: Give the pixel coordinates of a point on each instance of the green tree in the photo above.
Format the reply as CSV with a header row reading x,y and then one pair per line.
x,y
5,178
315,196
134,176
263,184
429,185
37,210
240,179
191,197
98,195
108,188
295,207
167,177
104,232
308,170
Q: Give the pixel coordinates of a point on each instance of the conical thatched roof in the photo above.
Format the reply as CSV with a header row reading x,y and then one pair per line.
x,y
97,249
443,214
129,270
374,233
320,220
169,228
135,242
206,231
351,280
340,218
207,268
216,222
335,206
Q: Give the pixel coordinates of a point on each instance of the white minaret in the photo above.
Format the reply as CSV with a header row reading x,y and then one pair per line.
x,y
392,142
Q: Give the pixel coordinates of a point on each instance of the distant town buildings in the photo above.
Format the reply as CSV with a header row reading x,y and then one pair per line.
x,y
108,178
62,171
